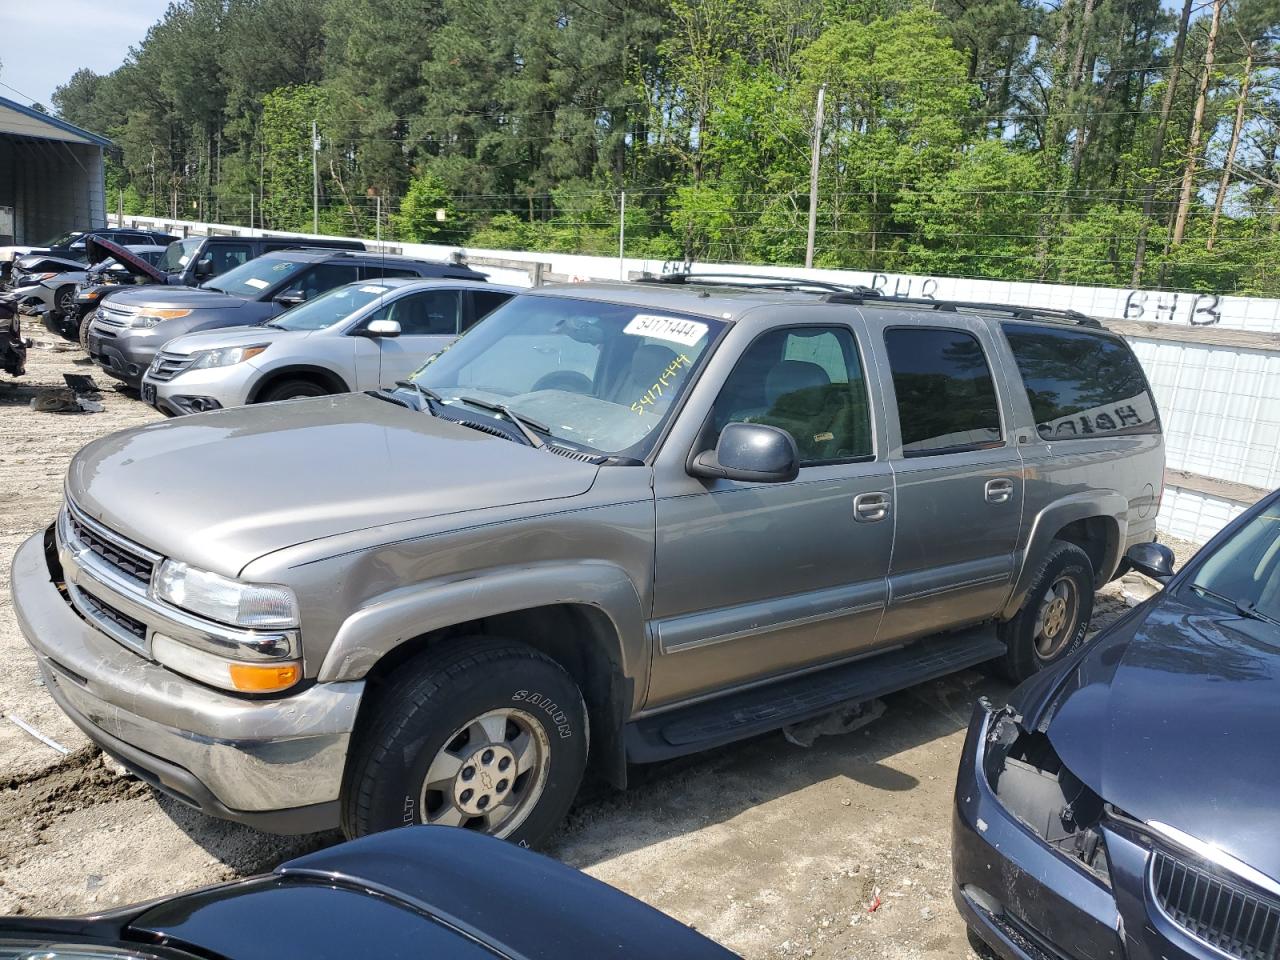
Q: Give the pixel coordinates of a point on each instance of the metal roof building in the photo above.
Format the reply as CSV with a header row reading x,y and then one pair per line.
x,y
51,176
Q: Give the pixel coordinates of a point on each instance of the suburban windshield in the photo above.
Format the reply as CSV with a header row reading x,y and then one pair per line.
x,y
600,376
330,307
252,279
1245,571
178,254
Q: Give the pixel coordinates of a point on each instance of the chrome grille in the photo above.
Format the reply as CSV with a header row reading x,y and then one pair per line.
x,y
1228,916
113,317
166,366
114,550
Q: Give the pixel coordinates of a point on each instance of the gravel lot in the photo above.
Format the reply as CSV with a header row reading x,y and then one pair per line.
x,y
772,849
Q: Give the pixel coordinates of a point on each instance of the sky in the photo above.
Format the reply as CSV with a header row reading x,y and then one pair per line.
x,y
45,42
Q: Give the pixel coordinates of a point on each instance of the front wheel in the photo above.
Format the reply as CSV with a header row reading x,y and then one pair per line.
x,y
292,390
1055,615
490,736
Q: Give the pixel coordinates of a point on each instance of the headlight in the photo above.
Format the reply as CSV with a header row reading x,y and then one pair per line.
x,y
150,316
225,356
225,600
41,277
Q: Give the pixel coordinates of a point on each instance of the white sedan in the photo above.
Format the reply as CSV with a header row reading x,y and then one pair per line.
x,y
362,336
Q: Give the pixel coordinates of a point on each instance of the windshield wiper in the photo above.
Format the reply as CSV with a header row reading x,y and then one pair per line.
x,y
525,425
273,325
427,395
1245,608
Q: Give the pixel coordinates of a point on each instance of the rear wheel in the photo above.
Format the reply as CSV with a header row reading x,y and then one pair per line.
x,y
489,736
292,390
1054,617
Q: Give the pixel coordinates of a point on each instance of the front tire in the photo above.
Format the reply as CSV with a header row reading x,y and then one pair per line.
x,y
489,735
292,390
1055,615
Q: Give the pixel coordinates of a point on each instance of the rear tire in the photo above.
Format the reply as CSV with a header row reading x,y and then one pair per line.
x,y
292,390
488,735
1054,618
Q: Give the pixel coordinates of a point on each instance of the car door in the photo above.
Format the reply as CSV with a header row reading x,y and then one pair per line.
x,y
429,321
958,477
754,580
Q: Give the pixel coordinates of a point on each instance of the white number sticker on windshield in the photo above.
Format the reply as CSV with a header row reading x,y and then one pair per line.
x,y
256,283
685,332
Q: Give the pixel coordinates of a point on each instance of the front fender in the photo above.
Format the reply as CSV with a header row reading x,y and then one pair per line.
x,y
1046,524
385,622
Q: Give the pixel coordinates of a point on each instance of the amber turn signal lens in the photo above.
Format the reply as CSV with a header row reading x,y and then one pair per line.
x,y
264,678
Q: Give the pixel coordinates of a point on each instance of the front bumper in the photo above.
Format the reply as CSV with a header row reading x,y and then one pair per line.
x,y
225,386
1028,902
123,352
276,764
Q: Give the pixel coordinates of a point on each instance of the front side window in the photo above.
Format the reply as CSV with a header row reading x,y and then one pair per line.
x,y
323,277
807,381
260,276
225,256
178,254
946,396
431,313
1244,573
1081,384
331,307
600,376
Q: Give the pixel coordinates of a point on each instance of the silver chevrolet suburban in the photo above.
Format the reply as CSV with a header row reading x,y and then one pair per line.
x,y
613,523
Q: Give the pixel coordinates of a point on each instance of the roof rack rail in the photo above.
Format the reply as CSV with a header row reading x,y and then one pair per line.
x,y
758,281
952,306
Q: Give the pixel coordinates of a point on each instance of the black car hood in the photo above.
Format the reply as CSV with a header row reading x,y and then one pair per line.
x,y
1172,717
99,249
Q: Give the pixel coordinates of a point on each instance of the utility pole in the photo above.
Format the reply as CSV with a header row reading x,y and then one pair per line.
x,y
315,179
377,217
813,176
622,237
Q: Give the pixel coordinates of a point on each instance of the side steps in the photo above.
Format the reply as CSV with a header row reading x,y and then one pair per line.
x,y
772,706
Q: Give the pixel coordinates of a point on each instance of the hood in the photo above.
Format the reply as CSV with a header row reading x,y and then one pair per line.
x,y
1172,717
41,263
221,489
99,249
231,337
193,298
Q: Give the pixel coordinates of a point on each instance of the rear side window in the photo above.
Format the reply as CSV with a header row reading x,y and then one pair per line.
x,y
946,397
484,302
1081,384
374,271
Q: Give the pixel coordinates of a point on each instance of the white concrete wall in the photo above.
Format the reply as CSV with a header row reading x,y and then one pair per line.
x,y
1220,406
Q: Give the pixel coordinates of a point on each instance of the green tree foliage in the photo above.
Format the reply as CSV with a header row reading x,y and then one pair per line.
x,y
1014,139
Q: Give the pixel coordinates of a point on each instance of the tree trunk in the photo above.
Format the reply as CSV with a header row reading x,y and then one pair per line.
x,y
1231,147
1157,147
1197,127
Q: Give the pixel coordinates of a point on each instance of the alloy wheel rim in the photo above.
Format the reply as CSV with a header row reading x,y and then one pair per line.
x,y
489,775
1056,618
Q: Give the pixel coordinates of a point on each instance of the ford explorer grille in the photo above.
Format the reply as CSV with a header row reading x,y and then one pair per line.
x,y
166,366
125,561
112,317
1230,917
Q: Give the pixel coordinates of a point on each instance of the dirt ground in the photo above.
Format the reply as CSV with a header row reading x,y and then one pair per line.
x,y
774,850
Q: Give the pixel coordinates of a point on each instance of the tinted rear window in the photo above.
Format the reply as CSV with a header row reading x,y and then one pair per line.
x,y
1081,384
946,398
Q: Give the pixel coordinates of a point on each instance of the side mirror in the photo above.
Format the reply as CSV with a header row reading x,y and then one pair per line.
x,y
382,328
204,267
1153,559
751,452
291,298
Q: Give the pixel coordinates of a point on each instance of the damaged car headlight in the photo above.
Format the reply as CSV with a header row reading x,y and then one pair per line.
x,y
225,600
225,356
1033,784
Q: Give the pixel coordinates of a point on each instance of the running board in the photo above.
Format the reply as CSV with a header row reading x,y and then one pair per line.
x,y
772,706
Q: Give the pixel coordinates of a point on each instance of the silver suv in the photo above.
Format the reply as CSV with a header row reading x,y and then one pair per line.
x,y
357,337
613,523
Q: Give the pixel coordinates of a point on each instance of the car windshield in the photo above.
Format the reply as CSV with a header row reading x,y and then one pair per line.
x,y
62,239
330,307
602,377
254,278
178,254
1245,571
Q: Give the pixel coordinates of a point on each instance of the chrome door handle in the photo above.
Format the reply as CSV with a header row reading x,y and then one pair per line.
x,y
870,507
999,491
